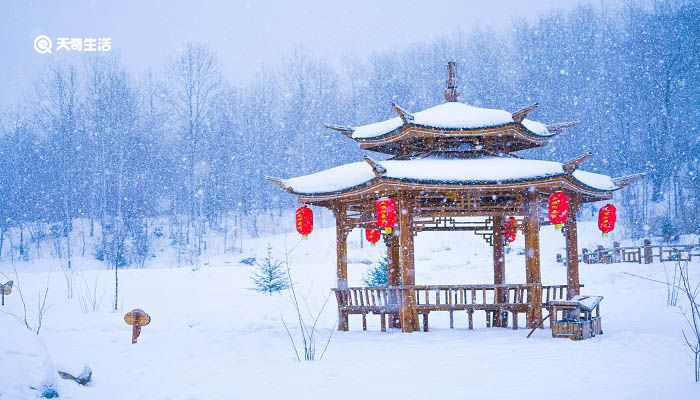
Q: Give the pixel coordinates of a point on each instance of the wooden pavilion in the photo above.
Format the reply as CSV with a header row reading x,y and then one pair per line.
x,y
445,164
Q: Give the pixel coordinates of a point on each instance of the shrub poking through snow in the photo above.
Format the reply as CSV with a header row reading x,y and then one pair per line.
x,y
377,274
269,275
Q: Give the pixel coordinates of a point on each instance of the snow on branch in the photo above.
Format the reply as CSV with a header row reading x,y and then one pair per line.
x,y
406,116
571,165
520,115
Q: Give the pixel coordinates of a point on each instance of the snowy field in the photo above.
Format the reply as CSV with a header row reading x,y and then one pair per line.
x,y
211,337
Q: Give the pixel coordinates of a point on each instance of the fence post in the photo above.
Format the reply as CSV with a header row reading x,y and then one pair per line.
x,y
648,257
617,252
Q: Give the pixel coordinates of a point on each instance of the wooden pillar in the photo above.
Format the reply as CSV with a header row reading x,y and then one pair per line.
x,y
408,314
499,267
531,228
341,269
572,279
393,276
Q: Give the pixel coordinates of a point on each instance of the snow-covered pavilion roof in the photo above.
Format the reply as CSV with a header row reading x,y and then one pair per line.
x,y
471,171
451,116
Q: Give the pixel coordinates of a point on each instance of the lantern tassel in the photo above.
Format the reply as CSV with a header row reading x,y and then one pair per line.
x,y
557,227
605,234
388,230
304,237
372,244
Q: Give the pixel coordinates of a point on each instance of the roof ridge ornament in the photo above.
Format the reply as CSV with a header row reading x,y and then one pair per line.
x,y
558,128
451,93
623,181
571,165
520,115
345,130
377,168
406,116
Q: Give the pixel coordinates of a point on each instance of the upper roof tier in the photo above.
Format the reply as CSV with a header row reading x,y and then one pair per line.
x,y
453,127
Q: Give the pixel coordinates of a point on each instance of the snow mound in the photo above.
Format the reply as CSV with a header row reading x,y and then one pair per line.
x,y
26,370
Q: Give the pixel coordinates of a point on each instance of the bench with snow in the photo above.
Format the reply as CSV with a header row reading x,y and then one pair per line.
x,y
576,319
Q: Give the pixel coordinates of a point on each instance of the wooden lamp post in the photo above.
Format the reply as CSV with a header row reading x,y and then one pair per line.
x,y
136,318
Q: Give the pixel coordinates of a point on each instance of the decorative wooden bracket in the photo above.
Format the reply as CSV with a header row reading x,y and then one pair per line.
x,y
345,130
559,128
406,116
376,167
280,183
623,181
520,115
571,165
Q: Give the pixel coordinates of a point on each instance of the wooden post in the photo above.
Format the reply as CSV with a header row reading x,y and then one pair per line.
x,y
531,228
408,315
341,247
648,256
499,267
572,278
393,277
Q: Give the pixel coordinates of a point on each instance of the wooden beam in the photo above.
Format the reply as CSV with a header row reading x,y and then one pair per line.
x,y
376,167
393,276
279,182
408,314
571,165
406,116
531,228
520,115
572,276
341,247
559,128
499,266
623,181
345,130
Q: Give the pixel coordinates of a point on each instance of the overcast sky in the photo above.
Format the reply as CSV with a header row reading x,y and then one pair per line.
x,y
244,34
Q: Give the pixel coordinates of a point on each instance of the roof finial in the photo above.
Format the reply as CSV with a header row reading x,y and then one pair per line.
x,y
451,93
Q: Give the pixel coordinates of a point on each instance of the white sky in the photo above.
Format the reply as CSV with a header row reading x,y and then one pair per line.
x,y
243,33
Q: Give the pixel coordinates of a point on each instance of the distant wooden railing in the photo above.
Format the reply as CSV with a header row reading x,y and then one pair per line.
x,y
643,254
495,300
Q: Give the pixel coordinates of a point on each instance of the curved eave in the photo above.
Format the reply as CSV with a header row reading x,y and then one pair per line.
x,y
388,185
408,130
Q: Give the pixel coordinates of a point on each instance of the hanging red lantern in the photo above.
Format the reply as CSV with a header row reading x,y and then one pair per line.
x,y
373,235
305,221
510,231
607,216
386,214
558,209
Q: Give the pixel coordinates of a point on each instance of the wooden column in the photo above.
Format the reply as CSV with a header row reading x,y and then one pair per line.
x,y
341,247
499,266
408,314
572,278
393,276
531,229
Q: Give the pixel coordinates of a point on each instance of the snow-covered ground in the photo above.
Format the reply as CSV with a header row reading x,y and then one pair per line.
x,y
211,337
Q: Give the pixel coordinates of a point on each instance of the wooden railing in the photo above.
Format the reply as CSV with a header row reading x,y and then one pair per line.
x,y
643,254
494,299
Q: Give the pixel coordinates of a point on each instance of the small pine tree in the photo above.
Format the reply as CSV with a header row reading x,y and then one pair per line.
x,y
377,274
269,276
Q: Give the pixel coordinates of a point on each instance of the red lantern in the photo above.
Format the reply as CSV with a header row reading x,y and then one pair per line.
x,y
607,218
373,235
305,221
558,209
511,230
386,214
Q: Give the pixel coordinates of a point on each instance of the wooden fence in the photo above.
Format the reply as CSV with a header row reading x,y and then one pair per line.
x,y
643,254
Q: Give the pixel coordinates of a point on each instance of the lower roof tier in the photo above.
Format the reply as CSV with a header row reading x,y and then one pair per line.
x,y
492,172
